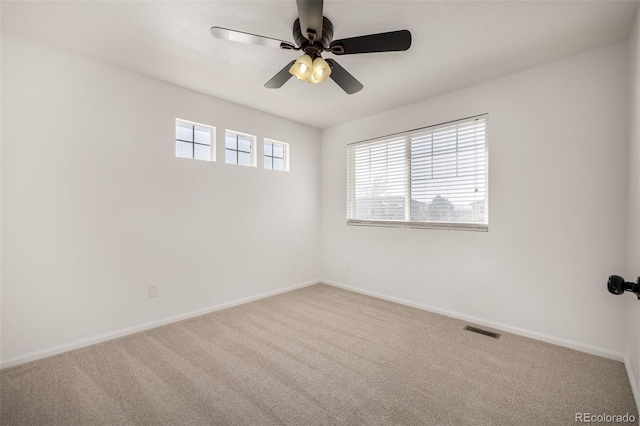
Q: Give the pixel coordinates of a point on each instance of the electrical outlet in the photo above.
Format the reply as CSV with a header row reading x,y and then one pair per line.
x,y
154,290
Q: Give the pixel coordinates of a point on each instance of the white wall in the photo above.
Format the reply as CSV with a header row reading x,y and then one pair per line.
x,y
96,207
633,215
558,171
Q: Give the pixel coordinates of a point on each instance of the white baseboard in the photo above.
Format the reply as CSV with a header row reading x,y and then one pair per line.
x,y
593,350
55,350
632,382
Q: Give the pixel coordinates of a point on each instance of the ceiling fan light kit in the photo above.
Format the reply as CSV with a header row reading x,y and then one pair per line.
x,y
317,37
315,71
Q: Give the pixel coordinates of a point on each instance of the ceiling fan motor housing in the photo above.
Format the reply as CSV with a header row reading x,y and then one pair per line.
x,y
313,47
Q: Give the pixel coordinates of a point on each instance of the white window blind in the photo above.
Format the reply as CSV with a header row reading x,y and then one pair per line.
x,y
434,177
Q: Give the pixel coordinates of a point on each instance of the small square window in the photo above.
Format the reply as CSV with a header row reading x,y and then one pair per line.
x,y
195,141
239,148
276,155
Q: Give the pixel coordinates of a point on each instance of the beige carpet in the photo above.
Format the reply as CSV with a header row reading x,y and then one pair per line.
x,y
315,356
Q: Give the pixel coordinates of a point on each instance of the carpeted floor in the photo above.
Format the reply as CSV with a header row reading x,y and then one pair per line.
x,y
315,356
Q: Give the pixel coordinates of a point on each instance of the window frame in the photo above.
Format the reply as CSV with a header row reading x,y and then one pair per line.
x,y
253,148
285,154
407,223
193,125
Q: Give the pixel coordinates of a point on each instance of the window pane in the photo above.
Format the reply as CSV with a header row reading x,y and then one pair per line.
x,y
244,159
278,150
230,157
244,143
268,163
202,152
268,148
203,135
278,164
230,141
184,131
184,149
380,180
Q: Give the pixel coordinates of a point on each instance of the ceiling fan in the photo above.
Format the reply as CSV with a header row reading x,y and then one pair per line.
x,y
313,34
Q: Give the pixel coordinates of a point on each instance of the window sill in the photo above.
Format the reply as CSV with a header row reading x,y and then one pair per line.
x,y
481,227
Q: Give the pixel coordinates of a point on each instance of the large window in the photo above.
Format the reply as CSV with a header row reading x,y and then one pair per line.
x,y
276,155
434,177
239,148
195,141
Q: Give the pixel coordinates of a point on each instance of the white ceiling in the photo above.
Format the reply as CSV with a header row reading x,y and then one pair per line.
x,y
455,44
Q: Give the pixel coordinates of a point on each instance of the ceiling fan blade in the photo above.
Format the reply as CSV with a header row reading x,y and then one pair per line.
x,y
281,78
242,37
383,42
310,14
346,81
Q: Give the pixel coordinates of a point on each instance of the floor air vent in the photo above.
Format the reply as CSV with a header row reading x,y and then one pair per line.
x,y
481,331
